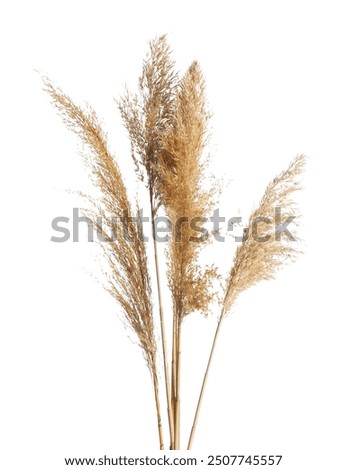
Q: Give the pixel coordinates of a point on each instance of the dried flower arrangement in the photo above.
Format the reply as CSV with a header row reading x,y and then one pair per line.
x,y
167,124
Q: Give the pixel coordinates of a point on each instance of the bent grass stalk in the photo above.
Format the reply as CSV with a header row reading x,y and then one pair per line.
x,y
256,262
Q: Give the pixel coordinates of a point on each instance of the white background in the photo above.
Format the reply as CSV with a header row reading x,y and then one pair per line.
x,y
72,384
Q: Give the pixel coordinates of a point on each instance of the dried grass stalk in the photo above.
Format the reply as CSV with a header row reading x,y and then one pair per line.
x,y
185,198
128,278
147,116
257,260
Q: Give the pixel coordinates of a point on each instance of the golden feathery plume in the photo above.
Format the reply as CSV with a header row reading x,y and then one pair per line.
x,y
147,116
187,201
128,279
184,194
263,251
265,248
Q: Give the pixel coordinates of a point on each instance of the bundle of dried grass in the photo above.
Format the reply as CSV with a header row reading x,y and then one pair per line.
x,y
167,124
